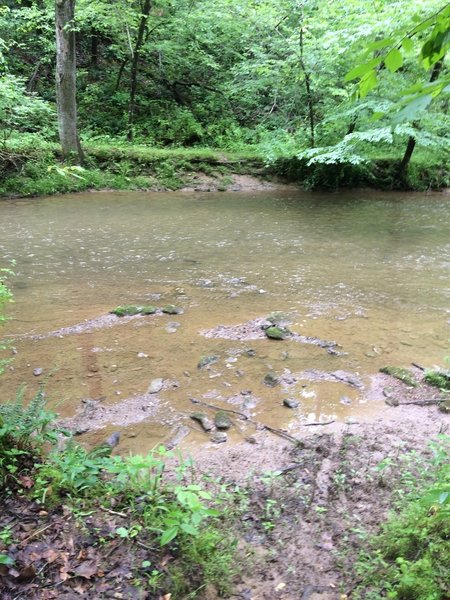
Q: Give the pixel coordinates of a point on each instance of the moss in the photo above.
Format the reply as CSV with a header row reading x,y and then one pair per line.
x,y
277,333
148,310
122,311
401,374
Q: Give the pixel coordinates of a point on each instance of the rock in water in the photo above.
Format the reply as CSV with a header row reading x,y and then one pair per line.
x,y
291,403
271,380
277,333
222,420
219,437
170,309
207,360
204,421
156,386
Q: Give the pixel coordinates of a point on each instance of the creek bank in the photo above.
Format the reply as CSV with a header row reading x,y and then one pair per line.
x,y
302,513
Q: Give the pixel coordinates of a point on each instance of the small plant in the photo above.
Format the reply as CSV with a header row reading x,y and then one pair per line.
x,y
24,430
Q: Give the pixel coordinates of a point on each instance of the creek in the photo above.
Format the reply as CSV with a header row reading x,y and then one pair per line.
x,y
366,269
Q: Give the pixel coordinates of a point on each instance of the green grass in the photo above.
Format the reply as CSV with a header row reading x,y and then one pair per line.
x,y
410,558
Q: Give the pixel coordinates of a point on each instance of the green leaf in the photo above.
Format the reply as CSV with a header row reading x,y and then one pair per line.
x,y
122,532
169,535
378,45
368,82
189,529
408,44
361,70
394,60
409,112
6,560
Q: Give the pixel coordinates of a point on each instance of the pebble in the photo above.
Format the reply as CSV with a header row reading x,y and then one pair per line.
x,y
142,355
291,403
38,371
219,437
156,386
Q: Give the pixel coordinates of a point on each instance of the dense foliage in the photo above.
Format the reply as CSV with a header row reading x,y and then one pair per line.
x,y
330,84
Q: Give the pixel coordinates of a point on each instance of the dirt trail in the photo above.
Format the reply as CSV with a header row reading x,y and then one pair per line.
x,y
305,524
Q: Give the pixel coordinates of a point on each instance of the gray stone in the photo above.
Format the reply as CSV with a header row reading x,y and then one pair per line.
x,y
156,386
38,371
204,421
271,380
291,403
219,437
207,360
222,420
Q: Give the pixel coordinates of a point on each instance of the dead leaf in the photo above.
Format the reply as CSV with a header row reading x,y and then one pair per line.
x,y
26,481
87,569
26,573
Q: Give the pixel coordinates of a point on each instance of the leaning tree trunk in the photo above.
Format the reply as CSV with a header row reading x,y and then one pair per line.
x,y
66,79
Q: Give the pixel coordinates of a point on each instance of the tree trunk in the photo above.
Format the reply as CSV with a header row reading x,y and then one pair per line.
x,y
411,140
135,65
309,94
66,79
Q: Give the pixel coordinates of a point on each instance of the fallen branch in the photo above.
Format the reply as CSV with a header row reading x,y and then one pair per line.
x,y
316,424
229,410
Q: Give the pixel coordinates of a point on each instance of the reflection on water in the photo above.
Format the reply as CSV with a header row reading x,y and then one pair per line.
x,y
369,270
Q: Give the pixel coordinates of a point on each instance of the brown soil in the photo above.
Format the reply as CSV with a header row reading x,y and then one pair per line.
x,y
200,182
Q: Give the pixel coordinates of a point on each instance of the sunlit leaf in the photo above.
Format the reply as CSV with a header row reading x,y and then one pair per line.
x,y
361,70
393,60
368,82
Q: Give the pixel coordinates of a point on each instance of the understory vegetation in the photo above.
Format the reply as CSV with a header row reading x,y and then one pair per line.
x,y
177,528
352,94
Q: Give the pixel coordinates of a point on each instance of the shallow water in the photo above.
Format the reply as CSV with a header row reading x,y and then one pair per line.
x,y
368,270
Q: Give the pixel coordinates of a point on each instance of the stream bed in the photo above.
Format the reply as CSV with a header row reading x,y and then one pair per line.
x,y
366,270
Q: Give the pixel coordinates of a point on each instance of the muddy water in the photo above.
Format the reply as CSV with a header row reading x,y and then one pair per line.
x,y
369,271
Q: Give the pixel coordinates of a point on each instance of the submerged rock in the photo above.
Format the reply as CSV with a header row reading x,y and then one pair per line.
x,y
291,403
179,436
204,421
219,437
271,380
207,360
222,420
171,309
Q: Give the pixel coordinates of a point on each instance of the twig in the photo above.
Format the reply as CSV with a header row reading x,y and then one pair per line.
x,y
230,410
418,366
113,512
316,424
36,533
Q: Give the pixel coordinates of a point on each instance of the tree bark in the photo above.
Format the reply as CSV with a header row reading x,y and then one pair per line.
x,y
66,79
309,94
135,65
412,140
